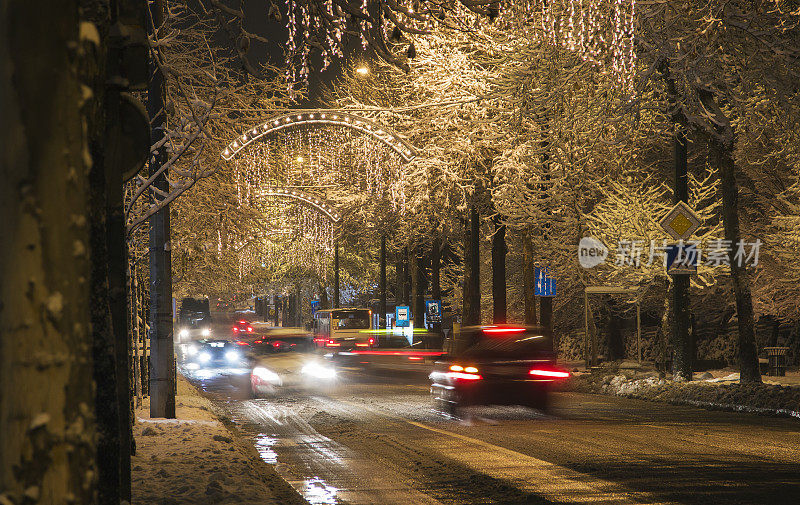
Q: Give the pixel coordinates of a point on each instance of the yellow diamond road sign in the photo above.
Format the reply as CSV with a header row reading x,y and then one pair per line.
x,y
681,221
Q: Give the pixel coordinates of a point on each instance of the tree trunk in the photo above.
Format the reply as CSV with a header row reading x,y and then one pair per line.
x,y
382,296
117,282
398,278
276,301
418,288
471,312
46,387
436,267
528,279
681,338
336,275
616,342
546,313
406,278
298,312
748,354
499,251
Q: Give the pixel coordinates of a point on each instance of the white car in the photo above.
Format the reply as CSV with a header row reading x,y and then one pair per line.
x,y
288,370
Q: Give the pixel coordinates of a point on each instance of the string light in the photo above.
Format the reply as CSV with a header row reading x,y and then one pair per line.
x,y
601,32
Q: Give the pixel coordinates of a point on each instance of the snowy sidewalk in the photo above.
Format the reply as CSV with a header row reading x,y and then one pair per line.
x,y
716,389
194,459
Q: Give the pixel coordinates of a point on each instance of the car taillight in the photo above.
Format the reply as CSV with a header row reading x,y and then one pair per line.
x,y
372,341
249,329
258,342
332,343
464,376
276,343
240,342
235,329
549,374
502,330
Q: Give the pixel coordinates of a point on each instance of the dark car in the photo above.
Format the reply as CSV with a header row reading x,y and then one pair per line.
x,y
496,365
215,353
242,328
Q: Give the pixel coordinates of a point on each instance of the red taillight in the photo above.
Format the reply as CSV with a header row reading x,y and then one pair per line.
x,y
550,374
235,329
240,342
242,322
258,342
502,330
362,345
372,341
276,344
249,329
332,343
464,376
415,358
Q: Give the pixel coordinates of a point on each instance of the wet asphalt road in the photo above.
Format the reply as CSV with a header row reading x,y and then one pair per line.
x,y
374,439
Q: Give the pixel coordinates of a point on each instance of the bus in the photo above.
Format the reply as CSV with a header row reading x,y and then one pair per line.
x,y
343,329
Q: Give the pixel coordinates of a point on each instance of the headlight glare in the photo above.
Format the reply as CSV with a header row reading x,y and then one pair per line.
x,y
318,371
266,374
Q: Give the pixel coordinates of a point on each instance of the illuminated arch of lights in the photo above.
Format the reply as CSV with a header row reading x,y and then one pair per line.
x,y
323,117
319,204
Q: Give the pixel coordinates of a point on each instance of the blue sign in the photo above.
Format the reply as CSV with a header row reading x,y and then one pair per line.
x,y
433,311
314,307
402,316
682,259
545,285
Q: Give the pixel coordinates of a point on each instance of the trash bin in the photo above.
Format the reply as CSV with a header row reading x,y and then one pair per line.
x,y
776,356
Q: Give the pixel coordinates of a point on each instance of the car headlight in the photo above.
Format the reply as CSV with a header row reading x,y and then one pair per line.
x,y
265,374
191,349
232,355
318,371
206,332
204,357
183,333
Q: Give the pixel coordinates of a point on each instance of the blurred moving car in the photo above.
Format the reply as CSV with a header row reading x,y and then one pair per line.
x,y
279,338
214,353
496,365
288,362
194,319
395,350
242,329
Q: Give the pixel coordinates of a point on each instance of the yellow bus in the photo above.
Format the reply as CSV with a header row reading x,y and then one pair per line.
x,y
343,329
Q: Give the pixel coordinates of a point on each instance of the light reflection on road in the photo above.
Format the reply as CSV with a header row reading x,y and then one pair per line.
x,y
264,445
318,492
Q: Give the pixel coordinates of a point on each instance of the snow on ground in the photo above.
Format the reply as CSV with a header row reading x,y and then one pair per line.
x,y
716,390
194,459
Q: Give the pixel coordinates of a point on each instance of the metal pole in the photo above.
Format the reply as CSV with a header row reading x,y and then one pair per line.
x,y
586,325
639,329
162,372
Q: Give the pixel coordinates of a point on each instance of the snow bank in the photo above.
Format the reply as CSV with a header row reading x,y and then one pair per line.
x,y
765,399
195,459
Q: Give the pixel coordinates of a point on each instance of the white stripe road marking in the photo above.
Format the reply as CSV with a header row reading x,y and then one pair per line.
x,y
526,473
533,475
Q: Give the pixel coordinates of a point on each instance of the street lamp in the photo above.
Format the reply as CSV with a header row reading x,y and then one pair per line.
x,y
362,70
